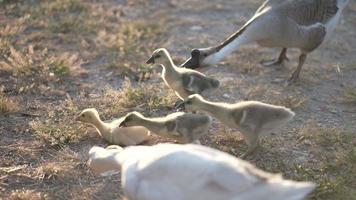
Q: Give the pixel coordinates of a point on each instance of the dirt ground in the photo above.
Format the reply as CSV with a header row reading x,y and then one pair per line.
x,y
59,57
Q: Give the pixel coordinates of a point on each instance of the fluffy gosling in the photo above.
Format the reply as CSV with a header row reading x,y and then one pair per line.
x,y
251,118
183,127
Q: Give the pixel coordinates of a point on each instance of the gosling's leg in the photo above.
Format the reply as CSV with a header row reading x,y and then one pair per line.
x,y
252,143
276,62
295,75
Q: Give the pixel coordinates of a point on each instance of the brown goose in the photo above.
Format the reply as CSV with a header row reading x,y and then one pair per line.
x,y
302,24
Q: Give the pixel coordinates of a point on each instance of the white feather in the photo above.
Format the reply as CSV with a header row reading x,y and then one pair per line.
x,y
186,172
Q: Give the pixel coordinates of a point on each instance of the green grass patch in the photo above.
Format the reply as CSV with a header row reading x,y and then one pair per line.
x,y
59,126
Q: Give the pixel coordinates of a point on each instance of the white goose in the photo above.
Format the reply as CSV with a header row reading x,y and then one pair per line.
x,y
191,172
302,24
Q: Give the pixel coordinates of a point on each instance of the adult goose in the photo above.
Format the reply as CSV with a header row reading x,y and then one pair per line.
x,y
302,24
183,81
251,118
187,172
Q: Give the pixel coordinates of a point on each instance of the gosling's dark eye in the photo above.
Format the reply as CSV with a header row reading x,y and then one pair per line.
x,y
205,55
157,56
83,115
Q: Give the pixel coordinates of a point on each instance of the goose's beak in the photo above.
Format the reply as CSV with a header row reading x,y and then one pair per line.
x,y
180,107
191,63
150,61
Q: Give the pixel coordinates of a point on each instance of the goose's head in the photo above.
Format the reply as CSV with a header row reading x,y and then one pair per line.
x,y
157,56
191,103
88,115
201,58
131,119
103,160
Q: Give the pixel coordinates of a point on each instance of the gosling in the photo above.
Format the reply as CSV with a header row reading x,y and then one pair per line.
x,y
183,81
251,118
111,132
180,126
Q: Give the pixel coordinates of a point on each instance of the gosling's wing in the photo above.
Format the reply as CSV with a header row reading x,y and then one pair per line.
x,y
196,83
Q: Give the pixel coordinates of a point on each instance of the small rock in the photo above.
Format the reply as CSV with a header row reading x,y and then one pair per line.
x,y
226,96
196,28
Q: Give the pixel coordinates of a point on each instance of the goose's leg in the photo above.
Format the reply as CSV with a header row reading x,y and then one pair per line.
x,y
282,57
252,142
295,76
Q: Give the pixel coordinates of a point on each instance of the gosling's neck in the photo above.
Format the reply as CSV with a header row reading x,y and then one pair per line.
x,y
218,110
102,127
168,66
153,125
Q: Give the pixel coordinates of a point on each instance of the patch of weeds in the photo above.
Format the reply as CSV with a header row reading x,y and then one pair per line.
x,y
25,195
54,171
255,92
7,104
59,127
324,136
292,102
335,172
148,96
350,95
70,25
132,44
19,63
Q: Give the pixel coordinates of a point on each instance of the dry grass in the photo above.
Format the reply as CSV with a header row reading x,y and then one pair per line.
x,y
350,95
58,57
58,126
334,148
25,195
7,104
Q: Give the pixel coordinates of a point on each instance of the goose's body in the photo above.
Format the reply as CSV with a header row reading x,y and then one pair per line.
x,y
184,127
183,81
251,118
187,172
302,24
111,131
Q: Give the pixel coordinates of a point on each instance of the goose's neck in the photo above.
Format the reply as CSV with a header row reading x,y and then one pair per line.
x,y
230,45
102,127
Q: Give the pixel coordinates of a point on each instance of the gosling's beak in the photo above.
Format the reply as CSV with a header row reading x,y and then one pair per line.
x,y
180,107
150,61
122,124
191,63
77,118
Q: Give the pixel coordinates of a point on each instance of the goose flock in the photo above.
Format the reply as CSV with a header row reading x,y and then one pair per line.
x,y
188,171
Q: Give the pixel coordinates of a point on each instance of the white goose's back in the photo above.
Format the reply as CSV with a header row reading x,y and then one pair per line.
x,y
185,172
